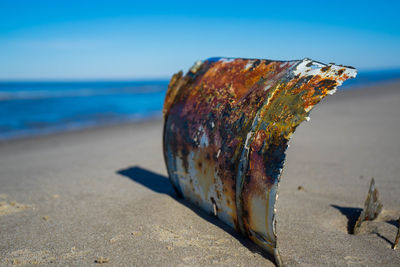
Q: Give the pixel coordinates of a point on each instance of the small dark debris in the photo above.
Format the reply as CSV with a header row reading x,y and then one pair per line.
x,y
101,260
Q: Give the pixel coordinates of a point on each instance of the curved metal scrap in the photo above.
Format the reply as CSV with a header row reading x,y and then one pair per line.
x,y
227,125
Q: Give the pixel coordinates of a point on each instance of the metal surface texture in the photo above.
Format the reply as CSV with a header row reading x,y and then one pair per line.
x,y
227,126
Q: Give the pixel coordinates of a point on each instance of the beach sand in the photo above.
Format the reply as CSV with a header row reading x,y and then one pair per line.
x,y
101,196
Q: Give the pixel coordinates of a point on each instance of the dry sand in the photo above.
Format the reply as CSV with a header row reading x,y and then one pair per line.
x,y
101,196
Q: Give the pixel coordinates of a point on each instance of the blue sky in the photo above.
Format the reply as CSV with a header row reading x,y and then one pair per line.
x,y
68,40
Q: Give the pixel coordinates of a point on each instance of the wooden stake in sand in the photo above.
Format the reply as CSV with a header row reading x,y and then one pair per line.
x,y
372,207
396,241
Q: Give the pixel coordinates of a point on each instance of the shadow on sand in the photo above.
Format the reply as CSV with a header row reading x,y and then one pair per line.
x,y
162,185
352,215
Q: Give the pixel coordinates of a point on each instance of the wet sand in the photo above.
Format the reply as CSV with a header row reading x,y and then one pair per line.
x,y
101,196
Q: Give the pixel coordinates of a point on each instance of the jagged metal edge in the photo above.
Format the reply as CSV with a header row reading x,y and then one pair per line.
x,y
305,67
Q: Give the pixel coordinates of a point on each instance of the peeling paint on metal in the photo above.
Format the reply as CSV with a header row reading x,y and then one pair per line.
x,y
227,126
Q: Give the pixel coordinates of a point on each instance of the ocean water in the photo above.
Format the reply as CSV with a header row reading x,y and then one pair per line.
x,y
36,108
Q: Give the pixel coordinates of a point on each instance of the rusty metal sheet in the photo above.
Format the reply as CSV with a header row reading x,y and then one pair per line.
x,y
227,126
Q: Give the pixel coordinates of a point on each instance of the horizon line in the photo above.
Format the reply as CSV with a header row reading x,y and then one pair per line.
x,y
145,79
160,79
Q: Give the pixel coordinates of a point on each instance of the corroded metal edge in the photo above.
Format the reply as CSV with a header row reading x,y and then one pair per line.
x,y
227,125
372,207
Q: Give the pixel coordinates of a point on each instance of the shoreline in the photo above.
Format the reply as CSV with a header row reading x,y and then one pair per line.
x,y
83,129
355,91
